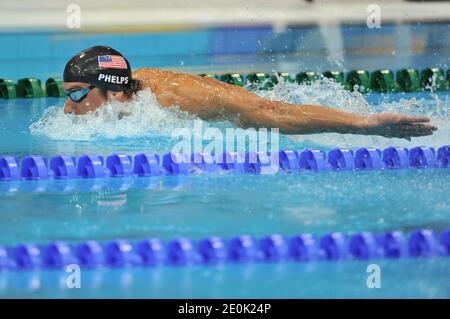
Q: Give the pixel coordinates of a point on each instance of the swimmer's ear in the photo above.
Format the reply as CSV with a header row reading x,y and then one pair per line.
x,y
117,96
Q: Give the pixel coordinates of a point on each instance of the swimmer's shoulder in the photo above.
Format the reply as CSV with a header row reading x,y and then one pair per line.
x,y
152,78
151,73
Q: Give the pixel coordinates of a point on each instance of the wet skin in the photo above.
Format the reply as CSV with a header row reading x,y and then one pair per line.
x,y
211,99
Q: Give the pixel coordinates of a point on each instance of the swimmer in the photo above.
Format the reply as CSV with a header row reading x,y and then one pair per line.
x,y
101,74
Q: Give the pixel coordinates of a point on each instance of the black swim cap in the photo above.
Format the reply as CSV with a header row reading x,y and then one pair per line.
x,y
101,66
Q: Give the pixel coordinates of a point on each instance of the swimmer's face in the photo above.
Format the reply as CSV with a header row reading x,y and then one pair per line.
x,y
92,101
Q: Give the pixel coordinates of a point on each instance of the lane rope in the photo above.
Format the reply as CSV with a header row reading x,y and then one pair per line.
x,y
380,81
152,252
63,167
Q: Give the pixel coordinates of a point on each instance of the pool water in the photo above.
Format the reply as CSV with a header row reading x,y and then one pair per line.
x,y
198,206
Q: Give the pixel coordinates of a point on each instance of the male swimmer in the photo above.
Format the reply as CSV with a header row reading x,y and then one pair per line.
x,y
101,74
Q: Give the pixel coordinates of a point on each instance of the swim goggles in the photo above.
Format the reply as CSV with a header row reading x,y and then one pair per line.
x,y
79,94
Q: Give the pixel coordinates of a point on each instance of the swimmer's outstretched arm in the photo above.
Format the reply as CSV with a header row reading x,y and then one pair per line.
x,y
212,99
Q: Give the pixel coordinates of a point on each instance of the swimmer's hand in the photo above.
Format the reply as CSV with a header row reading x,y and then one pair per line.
x,y
397,125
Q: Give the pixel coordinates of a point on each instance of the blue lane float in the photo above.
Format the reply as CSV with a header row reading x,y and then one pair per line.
x,y
289,160
233,161
369,159
274,248
205,162
341,159
396,157
147,165
63,167
9,168
91,166
443,156
394,244
176,164
119,165
153,252
422,157
303,248
35,167
313,160
212,250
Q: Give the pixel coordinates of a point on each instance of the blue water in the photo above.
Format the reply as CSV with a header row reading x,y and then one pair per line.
x,y
224,204
400,279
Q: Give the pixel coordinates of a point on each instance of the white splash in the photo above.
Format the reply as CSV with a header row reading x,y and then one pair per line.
x,y
144,117
329,93
323,91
